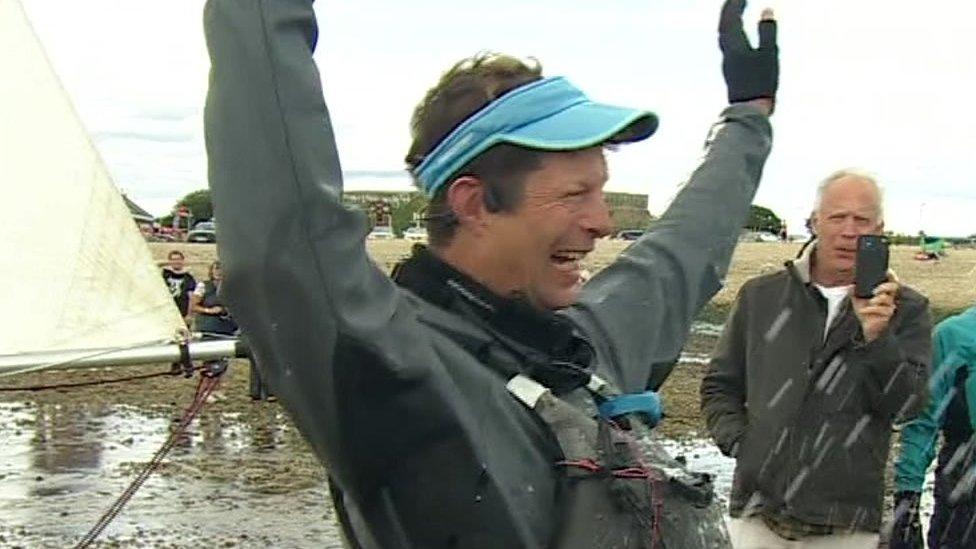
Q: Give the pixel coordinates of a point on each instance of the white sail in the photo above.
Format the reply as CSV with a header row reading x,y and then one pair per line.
x,y
75,273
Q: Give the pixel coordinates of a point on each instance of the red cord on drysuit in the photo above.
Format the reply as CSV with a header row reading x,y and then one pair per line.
x,y
643,471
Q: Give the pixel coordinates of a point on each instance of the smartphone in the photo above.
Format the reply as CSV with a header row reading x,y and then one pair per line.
x,y
871,266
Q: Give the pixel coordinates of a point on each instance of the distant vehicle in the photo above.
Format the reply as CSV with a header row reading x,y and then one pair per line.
x,y
164,237
630,234
415,234
757,236
204,231
381,232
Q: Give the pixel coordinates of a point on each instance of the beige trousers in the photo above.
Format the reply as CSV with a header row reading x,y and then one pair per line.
x,y
752,533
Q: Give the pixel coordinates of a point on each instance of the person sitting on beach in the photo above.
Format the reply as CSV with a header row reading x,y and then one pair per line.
x,y
211,315
486,398
806,381
213,319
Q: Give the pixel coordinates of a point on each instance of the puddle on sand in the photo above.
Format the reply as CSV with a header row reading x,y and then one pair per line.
x,y
706,329
703,456
234,481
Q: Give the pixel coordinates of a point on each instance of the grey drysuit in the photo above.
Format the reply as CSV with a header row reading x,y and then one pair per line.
x,y
426,443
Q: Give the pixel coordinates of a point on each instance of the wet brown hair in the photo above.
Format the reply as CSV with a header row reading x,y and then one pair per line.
x,y
467,87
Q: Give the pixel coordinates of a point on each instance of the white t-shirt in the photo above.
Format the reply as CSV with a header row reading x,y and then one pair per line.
x,y
200,289
835,297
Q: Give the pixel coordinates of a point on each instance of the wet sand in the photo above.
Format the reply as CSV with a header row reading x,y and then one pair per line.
x,y
243,477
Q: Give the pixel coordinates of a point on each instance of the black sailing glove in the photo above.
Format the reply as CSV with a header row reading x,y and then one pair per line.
x,y
906,532
749,73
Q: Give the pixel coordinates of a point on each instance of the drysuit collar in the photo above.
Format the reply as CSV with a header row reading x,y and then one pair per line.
x,y
562,358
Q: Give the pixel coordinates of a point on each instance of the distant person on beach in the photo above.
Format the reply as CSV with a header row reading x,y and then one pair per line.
x,y
211,315
180,282
486,398
213,319
950,415
807,380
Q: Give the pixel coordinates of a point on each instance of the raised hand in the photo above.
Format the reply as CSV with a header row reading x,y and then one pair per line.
x,y
750,73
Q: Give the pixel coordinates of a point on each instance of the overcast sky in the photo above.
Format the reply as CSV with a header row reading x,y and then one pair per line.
x,y
886,86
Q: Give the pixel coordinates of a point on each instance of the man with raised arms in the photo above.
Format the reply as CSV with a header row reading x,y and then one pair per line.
x,y
486,398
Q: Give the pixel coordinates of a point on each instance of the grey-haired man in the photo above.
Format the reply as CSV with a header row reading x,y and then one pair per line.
x,y
807,380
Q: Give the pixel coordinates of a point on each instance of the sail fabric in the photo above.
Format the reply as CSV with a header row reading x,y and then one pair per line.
x,y
75,272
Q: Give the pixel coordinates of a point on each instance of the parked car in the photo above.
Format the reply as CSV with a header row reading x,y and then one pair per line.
x,y
415,234
630,234
757,236
381,232
204,231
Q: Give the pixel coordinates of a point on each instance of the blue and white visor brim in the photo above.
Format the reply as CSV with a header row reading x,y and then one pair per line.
x,y
548,115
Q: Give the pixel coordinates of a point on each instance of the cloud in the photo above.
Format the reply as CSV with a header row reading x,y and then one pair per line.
x,y
884,88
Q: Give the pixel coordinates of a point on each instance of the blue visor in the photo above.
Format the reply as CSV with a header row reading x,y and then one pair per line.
x,y
549,114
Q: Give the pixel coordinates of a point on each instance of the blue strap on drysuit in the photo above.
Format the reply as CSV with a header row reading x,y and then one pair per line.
x,y
647,405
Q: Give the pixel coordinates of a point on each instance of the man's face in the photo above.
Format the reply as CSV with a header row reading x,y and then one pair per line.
x,y
849,208
176,261
540,245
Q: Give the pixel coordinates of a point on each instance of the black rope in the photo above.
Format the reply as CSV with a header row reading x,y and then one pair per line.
x,y
89,383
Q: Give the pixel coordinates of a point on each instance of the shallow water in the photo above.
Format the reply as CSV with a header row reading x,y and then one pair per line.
x,y
706,329
229,483
703,456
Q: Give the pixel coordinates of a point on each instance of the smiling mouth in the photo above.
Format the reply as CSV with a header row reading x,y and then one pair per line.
x,y
569,260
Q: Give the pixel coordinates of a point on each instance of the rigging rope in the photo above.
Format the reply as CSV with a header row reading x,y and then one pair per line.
x,y
205,387
94,382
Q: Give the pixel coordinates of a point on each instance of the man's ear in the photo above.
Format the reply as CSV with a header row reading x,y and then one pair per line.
x,y
809,223
466,198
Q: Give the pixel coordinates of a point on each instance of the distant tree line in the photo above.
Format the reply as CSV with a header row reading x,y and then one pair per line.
x,y
628,212
197,202
762,219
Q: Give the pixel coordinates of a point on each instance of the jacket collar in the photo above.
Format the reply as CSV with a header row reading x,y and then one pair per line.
x,y
801,266
845,323
561,356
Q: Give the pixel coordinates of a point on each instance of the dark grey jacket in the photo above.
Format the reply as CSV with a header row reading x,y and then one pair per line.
x,y
809,420
426,443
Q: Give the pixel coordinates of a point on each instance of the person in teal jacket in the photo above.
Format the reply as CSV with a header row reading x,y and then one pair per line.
x,y
952,411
